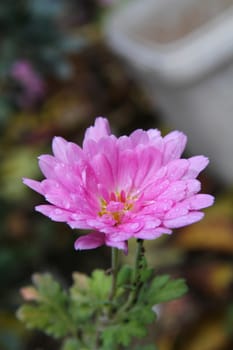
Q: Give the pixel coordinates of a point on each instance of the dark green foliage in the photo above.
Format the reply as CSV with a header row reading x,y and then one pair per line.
x,y
124,276
48,312
146,347
72,344
164,289
85,316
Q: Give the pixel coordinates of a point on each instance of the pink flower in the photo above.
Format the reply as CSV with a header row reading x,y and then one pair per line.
x,y
133,186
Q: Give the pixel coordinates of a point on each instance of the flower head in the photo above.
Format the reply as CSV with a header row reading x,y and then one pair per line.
x,y
120,188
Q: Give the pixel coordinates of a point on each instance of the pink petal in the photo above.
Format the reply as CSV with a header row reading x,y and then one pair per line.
x,y
34,185
196,165
184,220
74,153
131,227
89,180
200,201
103,170
90,241
68,176
109,144
90,149
176,169
123,245
104,223
157,207
53,212
56,194
139,136
127,170
100,129
47,164
79,224
176,191
120,235
180,209
59,148
174,144
153,233
155,189
149,161
124,143
155,139
153,134
192,186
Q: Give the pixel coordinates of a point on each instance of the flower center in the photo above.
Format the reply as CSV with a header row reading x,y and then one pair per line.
x,y
117,206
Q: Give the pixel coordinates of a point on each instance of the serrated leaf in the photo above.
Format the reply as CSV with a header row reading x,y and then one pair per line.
x,y
42,318
132,324
142,313
79,291
48,288
122,334
88,295
164,289
81,311
100,284
49,312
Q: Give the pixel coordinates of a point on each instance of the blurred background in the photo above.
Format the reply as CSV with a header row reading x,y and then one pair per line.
x,y
64,62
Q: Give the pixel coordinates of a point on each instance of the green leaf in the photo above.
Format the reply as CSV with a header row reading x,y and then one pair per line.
x,y
49,311
80,299
124,275
128,325
88,296
122,334
49,289
146,274
100,285
164,289
160,281
43,318
143,314
72,344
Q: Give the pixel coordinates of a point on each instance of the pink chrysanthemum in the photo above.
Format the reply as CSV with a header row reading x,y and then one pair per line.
x,y
120,188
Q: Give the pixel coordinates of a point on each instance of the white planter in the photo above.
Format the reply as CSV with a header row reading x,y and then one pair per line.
x,y
181,52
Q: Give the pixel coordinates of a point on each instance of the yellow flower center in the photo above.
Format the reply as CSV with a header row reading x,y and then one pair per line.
x,y
117,206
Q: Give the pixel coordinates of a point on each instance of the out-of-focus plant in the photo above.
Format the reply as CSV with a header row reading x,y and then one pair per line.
x,y
34,45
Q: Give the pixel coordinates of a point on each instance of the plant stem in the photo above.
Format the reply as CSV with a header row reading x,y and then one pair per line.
x,y
137,267
114,270
138,259
136,278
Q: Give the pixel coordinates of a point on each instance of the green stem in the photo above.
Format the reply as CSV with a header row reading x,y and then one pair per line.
x,y
138,258
136,278
114,270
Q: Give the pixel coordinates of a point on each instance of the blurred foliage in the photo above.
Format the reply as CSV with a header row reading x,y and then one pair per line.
x,y
34,34
84,315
